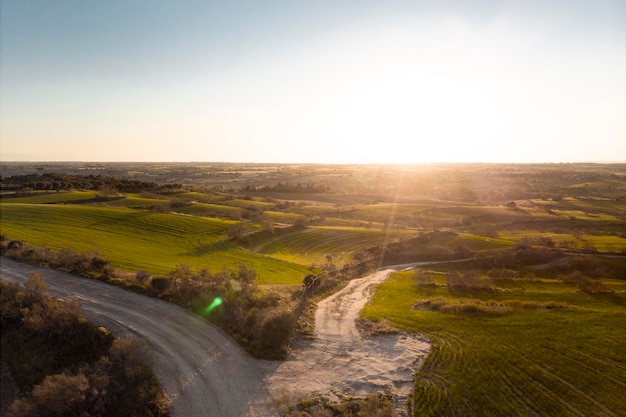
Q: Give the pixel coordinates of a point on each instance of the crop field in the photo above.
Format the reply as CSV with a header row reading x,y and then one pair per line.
x,y
53,197
603,243
136,240
522,347
312,245
134,200
478,243
208,210
533,343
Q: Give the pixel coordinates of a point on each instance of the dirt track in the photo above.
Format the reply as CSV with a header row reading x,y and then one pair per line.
x,y
339,362
206,374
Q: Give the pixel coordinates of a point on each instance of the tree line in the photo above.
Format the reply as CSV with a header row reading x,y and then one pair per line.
x,y
67,182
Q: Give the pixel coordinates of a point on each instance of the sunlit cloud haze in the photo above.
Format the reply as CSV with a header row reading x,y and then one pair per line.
x,y
323,81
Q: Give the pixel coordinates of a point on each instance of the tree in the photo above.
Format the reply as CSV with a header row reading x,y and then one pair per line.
x,y
36,284
236,231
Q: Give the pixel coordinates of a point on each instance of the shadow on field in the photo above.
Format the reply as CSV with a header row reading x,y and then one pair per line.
x,y
610,297
210,248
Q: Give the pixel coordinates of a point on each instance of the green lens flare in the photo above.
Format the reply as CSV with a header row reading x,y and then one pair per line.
x,y
216,302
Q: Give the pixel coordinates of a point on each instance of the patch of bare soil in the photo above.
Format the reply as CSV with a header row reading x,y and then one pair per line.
x,y
339,362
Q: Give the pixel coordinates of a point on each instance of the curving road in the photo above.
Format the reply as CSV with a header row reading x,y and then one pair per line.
x,y
201,369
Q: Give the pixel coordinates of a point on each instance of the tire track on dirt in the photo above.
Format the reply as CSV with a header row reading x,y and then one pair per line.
x,y
338,362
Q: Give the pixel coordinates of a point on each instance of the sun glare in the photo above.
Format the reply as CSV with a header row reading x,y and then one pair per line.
x,y
412,105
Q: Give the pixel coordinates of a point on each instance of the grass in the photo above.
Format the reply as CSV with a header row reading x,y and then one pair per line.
x,y
603,243
136,240
52,197
553,351
313,244
209,210
133,200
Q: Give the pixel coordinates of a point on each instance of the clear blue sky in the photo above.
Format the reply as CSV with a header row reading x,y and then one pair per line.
x,y
313,81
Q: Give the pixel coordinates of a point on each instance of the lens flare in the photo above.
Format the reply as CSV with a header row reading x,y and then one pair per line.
x,y
216,302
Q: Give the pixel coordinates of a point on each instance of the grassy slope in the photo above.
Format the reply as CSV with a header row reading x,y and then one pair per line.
x,y
558,362
140,240
610,243
208,210
313,244
134,200
52,197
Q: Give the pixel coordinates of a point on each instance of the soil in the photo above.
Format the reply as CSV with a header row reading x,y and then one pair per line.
x,y
339,362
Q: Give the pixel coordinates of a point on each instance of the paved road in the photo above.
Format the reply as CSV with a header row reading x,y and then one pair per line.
x,y
202,370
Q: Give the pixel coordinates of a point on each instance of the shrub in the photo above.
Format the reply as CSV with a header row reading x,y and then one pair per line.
x,y
469,306
470,280
586,283
142,276
69,366
501,273
423,278
274,334
57,395
161,284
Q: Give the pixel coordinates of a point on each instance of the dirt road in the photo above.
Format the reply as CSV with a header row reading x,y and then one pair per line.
x,y
202,370
339,362
206,374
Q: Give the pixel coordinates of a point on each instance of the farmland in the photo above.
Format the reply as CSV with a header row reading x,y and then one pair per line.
x,y
531,323
144,240
524,346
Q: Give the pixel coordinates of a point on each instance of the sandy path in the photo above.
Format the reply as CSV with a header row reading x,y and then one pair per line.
x,y
202,370
338,361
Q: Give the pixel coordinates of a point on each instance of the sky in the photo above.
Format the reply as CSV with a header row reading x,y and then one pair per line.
x,y
321,81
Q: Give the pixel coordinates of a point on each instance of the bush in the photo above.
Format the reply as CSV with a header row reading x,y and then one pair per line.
x,y
57,395
161,284
423,278
142,277
586,283
69,366
274,334
501,273
470,280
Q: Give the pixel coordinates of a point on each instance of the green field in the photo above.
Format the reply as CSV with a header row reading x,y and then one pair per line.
x,y
52,197
603,243
135,240
524,347
312,245
133,200
208,210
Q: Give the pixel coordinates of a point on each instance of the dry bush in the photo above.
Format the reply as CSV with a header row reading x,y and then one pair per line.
x,y
469,306
586,283
469,280
161,284
593,286
373,405
501,273
423,278
57,395
274,333
142,277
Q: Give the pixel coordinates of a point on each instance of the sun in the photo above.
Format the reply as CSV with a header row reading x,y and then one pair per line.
x,y
418,119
